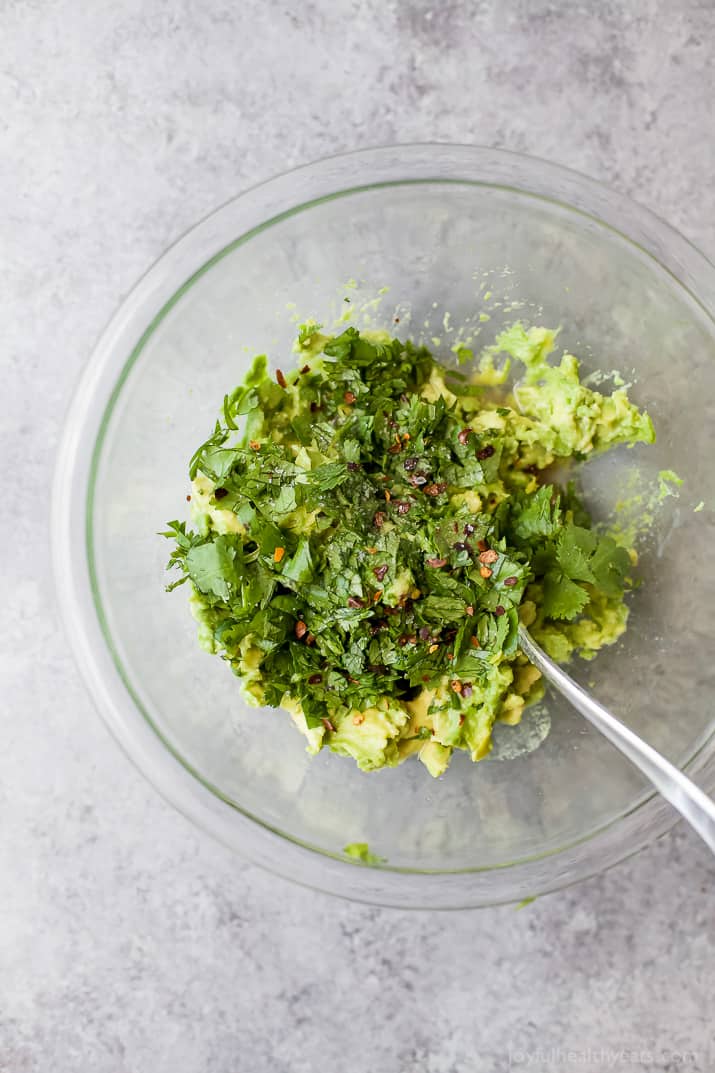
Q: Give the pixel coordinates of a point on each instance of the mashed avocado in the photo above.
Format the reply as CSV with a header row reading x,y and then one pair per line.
x,y
370,528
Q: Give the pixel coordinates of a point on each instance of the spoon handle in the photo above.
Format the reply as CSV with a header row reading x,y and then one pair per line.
x,y
690,801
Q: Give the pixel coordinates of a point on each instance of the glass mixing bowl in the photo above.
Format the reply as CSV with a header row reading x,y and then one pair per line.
x,y
438,236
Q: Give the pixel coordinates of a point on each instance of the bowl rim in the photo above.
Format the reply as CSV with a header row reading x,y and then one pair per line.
x,y
99,387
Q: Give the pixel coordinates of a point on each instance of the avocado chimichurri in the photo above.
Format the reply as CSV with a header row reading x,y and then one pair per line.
x,y
370,527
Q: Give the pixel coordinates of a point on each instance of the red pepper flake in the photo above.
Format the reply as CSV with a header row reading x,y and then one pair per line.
x,y
456,685
425,678
510,581
395,448
350,397
467,690
254,445
310,639
482,545
486,452
328,725
435,489
499,610
450,655
437,563
403,507
220,493
380,572
462,717
469,610
485,572
464,435
371,551
281,378
355,602
304,370
379,519
188,499
278,554
406,436
377,596
315,679
489,556
474,642
300,629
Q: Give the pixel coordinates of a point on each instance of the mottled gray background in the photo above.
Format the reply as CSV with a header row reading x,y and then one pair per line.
x,y
128,943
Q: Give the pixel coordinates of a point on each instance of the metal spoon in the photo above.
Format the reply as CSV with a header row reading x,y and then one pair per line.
x,y
690,801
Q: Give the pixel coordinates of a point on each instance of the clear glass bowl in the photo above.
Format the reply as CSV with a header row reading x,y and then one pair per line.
x,y
446,229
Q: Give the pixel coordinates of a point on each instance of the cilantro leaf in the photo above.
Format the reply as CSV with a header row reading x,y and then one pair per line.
x,y
534,516
574,548
580,555
214,567
329,475
218,437
610,564
563,598
299,568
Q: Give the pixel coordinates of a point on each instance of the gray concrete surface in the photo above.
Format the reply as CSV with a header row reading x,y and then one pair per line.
x,y
128,943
